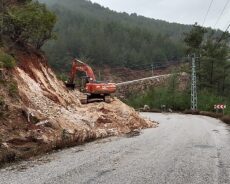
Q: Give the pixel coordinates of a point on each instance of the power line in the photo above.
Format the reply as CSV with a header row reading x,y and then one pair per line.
x,y
155,63
146,69
227,28
222,12
150,67
148,64
129,73
207,12
223,34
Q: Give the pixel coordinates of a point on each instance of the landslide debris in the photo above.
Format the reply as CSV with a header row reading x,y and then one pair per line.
x,y
42,114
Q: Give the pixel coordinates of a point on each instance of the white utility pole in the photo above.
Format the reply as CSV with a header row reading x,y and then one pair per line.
x,y
193,85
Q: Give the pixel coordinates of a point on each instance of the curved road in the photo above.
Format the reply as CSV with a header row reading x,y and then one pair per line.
x,y
184,149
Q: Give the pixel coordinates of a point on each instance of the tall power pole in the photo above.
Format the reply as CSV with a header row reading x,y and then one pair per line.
x,y
193,85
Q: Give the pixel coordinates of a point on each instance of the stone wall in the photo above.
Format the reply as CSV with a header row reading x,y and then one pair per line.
x,y
139,86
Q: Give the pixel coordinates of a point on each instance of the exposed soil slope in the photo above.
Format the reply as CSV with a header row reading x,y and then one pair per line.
x,y
44,114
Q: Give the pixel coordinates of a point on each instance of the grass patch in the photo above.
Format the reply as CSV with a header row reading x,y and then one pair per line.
x,y
6,60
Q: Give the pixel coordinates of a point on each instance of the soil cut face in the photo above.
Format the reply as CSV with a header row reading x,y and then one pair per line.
x,y
44,115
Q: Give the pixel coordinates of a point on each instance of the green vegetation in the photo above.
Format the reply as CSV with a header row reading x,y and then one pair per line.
x,y
87,30
156,97
62,77
213,74
213,64
167,95
6,61
208,99
176,99
26,23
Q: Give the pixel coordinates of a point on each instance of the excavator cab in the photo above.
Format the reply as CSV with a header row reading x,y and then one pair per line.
x,y
84,80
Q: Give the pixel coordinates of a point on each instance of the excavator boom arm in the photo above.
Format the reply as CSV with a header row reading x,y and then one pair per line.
x,y
81,67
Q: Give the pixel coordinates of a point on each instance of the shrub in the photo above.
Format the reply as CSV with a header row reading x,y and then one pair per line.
x,y
6,60
62,77
207,100
31,23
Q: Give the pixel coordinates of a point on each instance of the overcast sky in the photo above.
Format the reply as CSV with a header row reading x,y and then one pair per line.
x,y
181,11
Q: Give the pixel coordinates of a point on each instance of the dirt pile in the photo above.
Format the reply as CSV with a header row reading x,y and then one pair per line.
x,y
45,113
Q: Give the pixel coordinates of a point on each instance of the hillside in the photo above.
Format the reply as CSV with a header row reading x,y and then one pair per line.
x,y
105,37
37,112
42,115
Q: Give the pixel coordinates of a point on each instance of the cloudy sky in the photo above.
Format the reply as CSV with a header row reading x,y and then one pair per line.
x,y
181,11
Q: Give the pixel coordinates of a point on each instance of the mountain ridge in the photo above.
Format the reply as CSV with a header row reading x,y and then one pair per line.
x,y
103,36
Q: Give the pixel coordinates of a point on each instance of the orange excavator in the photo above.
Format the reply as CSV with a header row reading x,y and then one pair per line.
x,y
93,90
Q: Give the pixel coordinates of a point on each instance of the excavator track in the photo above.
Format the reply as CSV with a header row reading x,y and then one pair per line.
x,y
84,100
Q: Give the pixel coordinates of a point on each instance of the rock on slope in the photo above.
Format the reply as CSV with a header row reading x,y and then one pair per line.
x,y
47,115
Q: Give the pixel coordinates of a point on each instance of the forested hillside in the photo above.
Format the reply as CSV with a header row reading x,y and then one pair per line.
x,y
213,75
102,36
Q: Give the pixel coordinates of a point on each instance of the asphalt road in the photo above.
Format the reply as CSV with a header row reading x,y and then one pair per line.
x,y
184,149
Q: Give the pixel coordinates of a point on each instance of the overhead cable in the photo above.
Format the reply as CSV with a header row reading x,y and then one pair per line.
x,y
210,5
222,12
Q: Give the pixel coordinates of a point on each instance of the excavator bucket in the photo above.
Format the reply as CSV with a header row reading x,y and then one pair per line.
x,y
70,85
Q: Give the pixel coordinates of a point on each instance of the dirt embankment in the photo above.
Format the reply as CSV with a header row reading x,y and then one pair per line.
x,y
43,115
